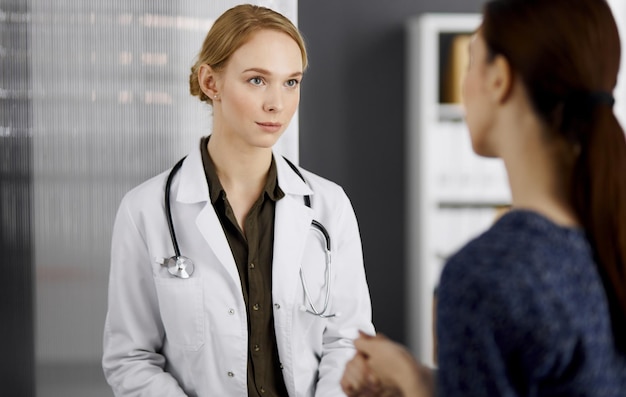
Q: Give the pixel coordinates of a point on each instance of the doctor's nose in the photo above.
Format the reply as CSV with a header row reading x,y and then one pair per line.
x,y
273,102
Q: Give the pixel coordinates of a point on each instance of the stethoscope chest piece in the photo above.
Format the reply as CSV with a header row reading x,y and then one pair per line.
x,y
179,266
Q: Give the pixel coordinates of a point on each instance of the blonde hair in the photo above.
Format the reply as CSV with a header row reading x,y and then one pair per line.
x,y
232,30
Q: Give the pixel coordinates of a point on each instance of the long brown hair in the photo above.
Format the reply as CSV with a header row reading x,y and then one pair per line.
x,y
567,54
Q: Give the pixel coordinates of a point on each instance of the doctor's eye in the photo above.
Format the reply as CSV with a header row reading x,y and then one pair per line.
x,y
256,80
292,83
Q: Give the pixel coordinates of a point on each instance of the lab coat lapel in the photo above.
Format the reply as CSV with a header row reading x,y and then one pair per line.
x,y
194,189
292,223
211,229
291,227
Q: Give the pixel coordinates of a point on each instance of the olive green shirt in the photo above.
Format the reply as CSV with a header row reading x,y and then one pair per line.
x,y
253,253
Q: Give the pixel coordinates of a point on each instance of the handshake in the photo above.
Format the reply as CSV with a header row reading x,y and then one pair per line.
x,y
382,367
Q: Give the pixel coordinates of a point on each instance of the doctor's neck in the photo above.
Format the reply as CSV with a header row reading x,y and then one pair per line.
x,y
239,164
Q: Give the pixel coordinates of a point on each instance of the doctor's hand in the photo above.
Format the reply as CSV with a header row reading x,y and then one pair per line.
x,y
387,368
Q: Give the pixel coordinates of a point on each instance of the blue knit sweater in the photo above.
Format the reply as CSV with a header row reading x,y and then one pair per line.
x,y
522,312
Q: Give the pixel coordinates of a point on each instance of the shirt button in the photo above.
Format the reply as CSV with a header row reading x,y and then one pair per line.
x,y
255,307
231,311
230,374
251,265
281,365
262,390
277,306
257,348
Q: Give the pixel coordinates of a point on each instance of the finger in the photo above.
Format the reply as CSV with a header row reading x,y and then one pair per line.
x,y
380,335
353,387
354,378
373,382
365,344
349,384
364,335
347,387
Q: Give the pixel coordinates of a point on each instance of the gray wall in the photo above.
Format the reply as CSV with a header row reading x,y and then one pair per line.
x,y
352,126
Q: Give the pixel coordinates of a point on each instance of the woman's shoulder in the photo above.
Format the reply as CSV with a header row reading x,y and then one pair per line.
x,y
521,251
524,258
523,236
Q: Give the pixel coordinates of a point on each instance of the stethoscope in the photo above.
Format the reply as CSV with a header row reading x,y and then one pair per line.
x,y
183,267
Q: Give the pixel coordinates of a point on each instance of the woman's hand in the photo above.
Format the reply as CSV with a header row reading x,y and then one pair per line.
x,y
357,379
382,367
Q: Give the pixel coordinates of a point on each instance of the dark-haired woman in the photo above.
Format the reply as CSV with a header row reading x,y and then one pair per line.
x,y
536,306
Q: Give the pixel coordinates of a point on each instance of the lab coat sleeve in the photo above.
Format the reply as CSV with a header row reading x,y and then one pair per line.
x,y
351,300
133,332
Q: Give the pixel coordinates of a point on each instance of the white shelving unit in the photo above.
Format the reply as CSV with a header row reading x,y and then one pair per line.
x,y
453,194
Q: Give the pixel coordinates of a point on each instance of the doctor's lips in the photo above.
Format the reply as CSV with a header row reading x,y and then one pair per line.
x,y
268,126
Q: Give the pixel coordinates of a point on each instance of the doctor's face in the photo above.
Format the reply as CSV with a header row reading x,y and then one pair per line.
x,y
259,90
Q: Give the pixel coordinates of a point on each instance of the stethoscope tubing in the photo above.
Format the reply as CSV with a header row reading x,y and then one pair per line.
x,y
168,207
328,271
179,263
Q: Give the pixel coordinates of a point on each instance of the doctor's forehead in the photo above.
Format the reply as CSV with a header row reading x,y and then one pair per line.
x,y
269,51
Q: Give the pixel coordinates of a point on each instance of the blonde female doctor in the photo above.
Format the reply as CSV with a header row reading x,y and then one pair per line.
x,y
239,296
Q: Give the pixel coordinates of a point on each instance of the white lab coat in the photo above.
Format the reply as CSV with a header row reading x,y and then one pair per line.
x,y
167,336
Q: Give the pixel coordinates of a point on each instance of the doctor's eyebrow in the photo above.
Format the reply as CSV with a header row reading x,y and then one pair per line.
x,y
267,72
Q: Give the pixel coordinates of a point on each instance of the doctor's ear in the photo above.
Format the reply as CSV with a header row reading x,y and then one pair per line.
x,y
207,78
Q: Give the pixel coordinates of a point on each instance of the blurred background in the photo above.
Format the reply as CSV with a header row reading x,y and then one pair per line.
x,y
94,100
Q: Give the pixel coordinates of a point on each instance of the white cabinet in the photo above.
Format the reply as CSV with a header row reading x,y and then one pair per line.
x,y
453,194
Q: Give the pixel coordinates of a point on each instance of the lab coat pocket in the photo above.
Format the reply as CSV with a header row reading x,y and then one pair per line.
x,y
180,305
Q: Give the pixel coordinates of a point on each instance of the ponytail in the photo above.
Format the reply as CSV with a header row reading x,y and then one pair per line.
x,y
599,188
